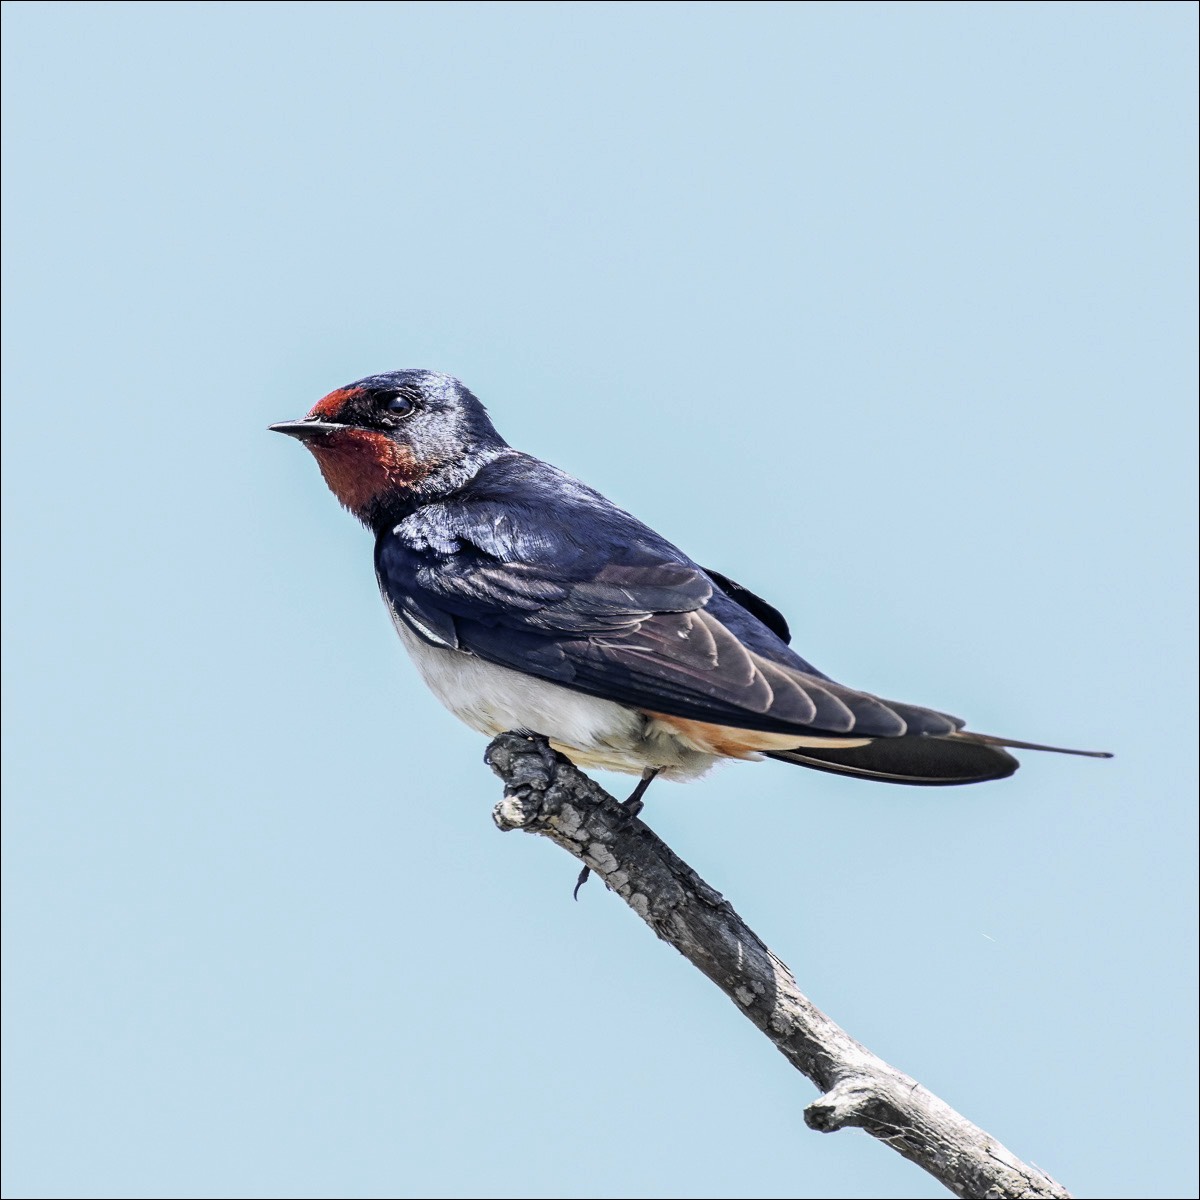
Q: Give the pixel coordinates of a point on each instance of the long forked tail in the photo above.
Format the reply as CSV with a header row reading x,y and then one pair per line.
x,y
929,761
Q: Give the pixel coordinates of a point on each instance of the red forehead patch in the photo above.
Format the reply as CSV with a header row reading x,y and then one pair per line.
x,y
328,408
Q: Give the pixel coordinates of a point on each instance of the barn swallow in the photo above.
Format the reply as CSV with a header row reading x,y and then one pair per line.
x,y
531,603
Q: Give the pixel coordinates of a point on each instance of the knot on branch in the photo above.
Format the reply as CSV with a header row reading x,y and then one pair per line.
x,y
844,1105
527,765
544,793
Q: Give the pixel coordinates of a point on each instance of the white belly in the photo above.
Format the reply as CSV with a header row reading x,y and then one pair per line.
x,y
591,732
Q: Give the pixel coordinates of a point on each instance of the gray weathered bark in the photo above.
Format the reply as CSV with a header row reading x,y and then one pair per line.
x,y
545,794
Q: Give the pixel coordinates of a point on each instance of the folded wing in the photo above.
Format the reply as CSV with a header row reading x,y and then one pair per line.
x,y
599,603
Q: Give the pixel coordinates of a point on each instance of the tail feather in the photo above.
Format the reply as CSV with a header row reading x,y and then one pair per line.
x,y
924,761
930,761
987,739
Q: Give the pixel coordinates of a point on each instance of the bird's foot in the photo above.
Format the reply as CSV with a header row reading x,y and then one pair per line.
x,y
633,807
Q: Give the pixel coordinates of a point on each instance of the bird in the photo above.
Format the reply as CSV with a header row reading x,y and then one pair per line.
x,y
531,603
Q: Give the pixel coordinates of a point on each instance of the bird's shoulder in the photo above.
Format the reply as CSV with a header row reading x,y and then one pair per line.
x,y
520,510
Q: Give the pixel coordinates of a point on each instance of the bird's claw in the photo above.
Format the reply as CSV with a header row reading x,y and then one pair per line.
x,y
583,878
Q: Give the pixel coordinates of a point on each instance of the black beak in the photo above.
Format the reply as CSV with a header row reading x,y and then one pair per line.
x,y
305,430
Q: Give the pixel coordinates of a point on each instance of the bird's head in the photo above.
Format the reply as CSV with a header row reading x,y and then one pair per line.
x,y
391,441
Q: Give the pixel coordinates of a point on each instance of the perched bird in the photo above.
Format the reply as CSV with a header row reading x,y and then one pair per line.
x,y
531,603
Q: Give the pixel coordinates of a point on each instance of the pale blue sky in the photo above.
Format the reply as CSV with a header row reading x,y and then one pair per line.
x,y
885,310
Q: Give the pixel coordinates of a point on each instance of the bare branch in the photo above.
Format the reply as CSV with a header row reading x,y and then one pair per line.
x,y
546,795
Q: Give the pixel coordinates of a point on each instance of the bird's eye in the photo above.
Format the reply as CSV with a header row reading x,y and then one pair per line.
x,y
399,406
